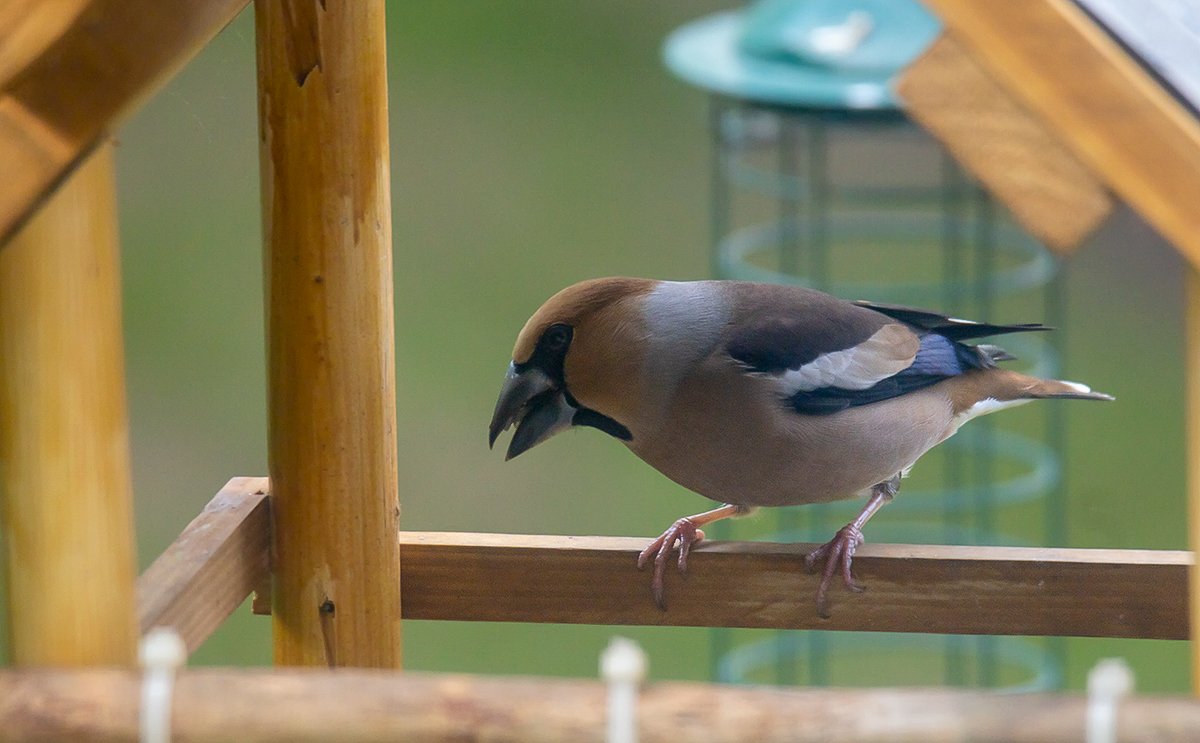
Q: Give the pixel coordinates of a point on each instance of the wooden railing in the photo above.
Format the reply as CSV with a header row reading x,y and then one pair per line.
x,y
222,556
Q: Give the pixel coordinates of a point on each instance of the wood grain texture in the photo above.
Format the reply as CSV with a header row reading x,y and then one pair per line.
x,y
909,588
365,706
67,510
1120,122
214,564
79,76
330,341
1045,186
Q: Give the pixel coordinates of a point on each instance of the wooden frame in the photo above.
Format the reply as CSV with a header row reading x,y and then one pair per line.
x,y
331,381
222,556
69,73
67,512
1117,119
1045,186
205,574
81,72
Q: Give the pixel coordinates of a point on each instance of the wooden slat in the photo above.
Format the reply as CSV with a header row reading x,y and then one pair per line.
x,y
78,78
1120,122
222,556
953,590
363,706
216,562
1026,166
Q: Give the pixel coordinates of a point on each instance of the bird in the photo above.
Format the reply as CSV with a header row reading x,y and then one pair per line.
x,y
757,395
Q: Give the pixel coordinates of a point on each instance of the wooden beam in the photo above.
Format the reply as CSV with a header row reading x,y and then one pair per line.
x,y
1120,122
78,79
330,342
362,706
1026,166
26,29
216,562
67,504
909,588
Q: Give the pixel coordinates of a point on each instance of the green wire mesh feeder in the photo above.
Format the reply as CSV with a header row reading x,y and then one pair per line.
x,y
820,180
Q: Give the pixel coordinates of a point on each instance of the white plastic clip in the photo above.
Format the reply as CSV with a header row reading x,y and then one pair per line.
x,y
623,666
161,653
1108,682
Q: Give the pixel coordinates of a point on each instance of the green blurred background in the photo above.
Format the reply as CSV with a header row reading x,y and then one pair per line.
x,y
536,144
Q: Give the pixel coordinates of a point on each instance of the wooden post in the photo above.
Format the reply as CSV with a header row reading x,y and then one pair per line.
x,y
1192,385
330,342
64,433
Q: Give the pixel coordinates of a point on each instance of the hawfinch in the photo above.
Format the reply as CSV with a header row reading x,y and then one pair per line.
x,y
757,394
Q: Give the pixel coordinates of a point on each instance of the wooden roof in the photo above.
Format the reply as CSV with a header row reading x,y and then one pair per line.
x,y
1104,119
71,70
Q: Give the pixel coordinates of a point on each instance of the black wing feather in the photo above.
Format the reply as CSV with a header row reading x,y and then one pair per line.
x,y
833,400
954,329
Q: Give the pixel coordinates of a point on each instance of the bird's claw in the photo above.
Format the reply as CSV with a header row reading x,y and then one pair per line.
x,y
684,533
837,551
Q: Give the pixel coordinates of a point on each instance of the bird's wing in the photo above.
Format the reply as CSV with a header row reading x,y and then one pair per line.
x,y
829,356
821,349
936,359
775,328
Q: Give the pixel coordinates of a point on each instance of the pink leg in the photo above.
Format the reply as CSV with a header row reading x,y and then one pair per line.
x,y
685,532
839,551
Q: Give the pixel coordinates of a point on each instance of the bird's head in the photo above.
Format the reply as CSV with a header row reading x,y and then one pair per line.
x,y
572,364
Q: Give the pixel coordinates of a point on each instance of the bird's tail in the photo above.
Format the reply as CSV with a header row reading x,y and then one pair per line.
x,y
1047,389
985,390
1051,389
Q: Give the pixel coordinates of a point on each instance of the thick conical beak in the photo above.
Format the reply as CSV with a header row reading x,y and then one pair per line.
x,y
531,400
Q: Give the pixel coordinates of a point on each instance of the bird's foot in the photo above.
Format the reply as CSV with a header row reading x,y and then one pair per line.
x,y
683,532
838,551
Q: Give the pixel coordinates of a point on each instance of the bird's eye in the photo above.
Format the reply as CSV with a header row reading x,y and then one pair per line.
x,y
557,337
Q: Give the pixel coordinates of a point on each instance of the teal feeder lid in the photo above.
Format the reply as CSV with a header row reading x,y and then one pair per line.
x,y
805,53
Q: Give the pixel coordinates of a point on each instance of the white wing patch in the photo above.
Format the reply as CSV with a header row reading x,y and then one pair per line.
x,y
985,406
889,351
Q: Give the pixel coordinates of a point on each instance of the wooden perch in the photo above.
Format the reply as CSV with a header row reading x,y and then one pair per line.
x,y
215,563
909,588
353,706
69,72
223,555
